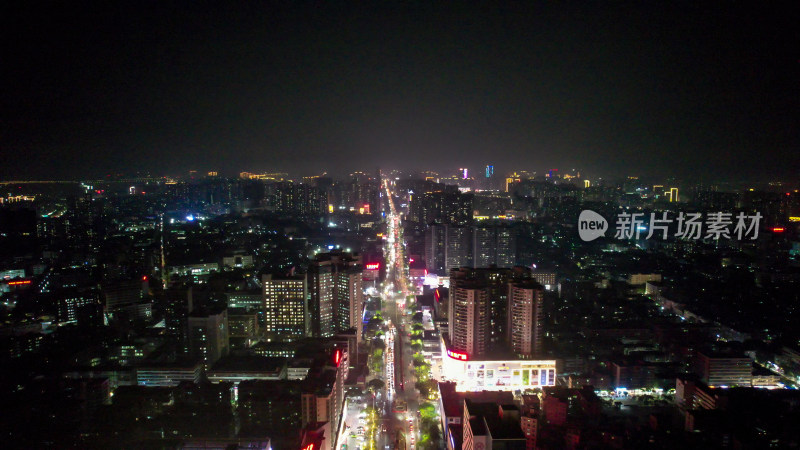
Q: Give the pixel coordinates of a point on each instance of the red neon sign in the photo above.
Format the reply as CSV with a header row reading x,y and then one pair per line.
x,y
436,294
778,230
17,283
373,266
309,447
338,357
458,355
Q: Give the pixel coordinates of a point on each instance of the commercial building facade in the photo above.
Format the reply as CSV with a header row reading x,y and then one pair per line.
x,y
471,374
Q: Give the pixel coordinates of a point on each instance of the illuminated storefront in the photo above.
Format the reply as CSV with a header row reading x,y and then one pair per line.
x,y
500,375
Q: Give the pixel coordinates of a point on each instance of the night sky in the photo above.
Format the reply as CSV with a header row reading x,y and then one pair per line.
x,y
673,88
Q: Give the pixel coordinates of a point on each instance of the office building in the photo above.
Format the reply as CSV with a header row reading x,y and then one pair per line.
x,y
286,307
718,369
250,300
71,302
545,278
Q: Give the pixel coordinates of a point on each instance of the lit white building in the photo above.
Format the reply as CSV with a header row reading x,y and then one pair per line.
x,y
496,375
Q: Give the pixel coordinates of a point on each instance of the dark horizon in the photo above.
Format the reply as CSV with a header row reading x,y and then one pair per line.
x,y
692,91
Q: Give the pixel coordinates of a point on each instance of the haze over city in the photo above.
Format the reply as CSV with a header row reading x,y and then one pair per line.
x,y
672,89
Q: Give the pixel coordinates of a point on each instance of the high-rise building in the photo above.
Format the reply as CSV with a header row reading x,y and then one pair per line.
x,y
445,206
177,307
320,287
359,195
469,317
447,247
349,299
208,336
336,292
506,247
286,307
489,179
496,281
493,245
323,393
435,244
297,198
484,246
458,249
673,194
525,318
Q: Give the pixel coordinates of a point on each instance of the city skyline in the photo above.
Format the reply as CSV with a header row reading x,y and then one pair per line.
x,y
384,225
451,174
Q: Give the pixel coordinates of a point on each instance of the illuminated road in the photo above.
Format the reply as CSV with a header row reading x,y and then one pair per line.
x,y
395,294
